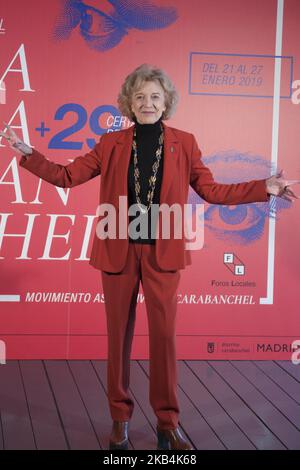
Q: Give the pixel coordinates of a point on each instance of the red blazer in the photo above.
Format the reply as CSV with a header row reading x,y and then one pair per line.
x,y
182,167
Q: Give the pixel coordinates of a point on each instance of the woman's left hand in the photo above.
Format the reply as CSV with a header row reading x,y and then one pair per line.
x,y
279,186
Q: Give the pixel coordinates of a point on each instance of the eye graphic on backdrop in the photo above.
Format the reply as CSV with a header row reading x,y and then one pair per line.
x,y
244,223
104,28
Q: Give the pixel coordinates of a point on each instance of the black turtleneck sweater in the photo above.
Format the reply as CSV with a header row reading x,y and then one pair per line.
x,y
147,136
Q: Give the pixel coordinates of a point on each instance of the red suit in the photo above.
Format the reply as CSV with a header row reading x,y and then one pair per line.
x,y
124,264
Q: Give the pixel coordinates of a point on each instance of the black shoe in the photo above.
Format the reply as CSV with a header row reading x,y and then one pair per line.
x,y
119,436
171,439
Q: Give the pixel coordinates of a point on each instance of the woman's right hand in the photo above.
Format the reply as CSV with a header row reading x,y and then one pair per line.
x,y
15,142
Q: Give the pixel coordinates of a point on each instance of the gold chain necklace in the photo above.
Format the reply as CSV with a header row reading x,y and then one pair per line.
x,y
152,179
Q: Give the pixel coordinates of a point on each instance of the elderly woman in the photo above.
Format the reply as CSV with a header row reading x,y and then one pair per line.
x,y
151,164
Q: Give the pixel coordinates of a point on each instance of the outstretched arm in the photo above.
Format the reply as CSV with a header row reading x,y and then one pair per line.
x,y
82,169
203,183
279,186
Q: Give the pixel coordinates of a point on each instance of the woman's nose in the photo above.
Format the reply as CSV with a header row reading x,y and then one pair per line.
x,y
147,101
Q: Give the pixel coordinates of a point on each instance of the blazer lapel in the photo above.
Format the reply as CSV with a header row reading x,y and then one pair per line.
x,y
171,153
124,149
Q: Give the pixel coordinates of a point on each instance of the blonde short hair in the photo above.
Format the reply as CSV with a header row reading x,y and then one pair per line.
x,y
147,73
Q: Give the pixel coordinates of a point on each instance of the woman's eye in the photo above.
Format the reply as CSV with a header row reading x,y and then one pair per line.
x,y
153,97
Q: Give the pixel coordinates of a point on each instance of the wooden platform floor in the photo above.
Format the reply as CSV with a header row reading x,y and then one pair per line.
x,y
224,405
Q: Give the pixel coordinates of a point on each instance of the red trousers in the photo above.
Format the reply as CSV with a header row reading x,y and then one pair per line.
x,y
160,291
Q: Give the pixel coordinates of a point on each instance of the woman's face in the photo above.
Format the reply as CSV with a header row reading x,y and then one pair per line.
x,y
148,102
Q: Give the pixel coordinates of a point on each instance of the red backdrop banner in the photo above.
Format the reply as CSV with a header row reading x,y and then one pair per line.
x,y
235,64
